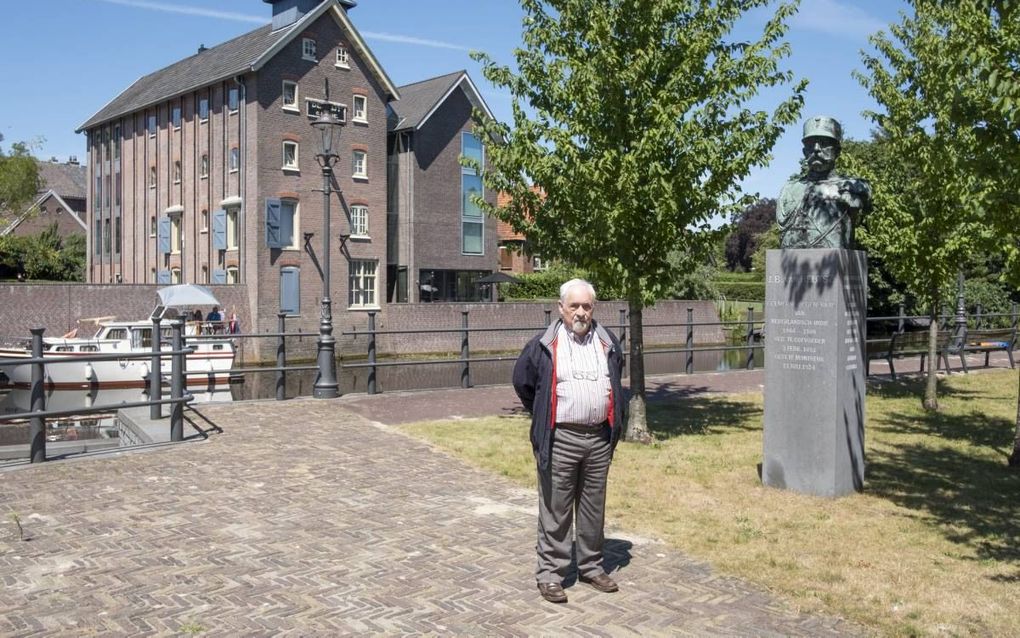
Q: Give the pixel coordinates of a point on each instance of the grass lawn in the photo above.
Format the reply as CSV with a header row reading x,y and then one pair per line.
x,y
931,547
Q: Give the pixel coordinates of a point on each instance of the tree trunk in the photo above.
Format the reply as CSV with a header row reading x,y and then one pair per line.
x,y
1014,458
637,423
931,401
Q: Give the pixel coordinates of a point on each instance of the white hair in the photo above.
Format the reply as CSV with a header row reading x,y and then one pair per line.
x,y
565,288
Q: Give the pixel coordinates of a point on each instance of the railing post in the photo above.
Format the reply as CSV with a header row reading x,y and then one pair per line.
x,y
977,316
903,317
371,353
548,316
1013,312
689,365
623,335
465,353
750,338
177,368
155,374
281,356
37,424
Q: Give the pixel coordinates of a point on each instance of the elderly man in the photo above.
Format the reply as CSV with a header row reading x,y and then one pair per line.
x,y
568,377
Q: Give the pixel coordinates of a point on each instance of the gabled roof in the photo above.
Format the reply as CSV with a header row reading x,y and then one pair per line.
x,y
420,100
248,52
66,180
35,206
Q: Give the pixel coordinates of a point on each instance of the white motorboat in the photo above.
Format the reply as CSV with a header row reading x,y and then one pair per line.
x,y
213,357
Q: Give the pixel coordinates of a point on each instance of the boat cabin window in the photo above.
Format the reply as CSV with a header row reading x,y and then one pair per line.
x,y
217,346
88,348
117,333
63,349
141,338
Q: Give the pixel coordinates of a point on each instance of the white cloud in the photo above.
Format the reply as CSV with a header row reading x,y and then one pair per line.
x,y
187,10
836,18
407,39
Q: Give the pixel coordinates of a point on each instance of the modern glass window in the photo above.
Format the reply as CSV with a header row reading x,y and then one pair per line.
x,y
308,49
359,220
342,59
235,159
290,156
203,166
359,163
233,99
203,108
177,171
233,228
360,108
175,115
361,289
290,96
472,221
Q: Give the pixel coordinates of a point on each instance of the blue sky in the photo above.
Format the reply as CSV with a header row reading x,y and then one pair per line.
x,y
65,59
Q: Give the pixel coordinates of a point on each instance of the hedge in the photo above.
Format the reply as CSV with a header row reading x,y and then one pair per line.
x,y
741,290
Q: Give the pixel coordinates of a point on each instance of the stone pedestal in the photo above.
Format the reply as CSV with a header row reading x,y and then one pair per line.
x,y
815,311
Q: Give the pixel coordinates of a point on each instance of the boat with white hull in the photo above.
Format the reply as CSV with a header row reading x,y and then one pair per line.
x,y
213,357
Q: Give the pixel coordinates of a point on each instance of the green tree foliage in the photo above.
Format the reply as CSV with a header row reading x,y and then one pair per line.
x,y
19,180
931,213
746,228
631,117
44,256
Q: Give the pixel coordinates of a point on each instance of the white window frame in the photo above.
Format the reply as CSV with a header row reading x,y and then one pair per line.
x,y
233,275
343,58
359,220
152,226
309,50
231,92
205,221
178,169
198,109
291,167
363,172
363,116
296,222
152,177
295,106
175,275
357,290
235,152
176,234
203,166
233,227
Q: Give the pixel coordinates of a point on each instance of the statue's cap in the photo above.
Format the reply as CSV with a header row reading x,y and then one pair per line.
x,y
823,126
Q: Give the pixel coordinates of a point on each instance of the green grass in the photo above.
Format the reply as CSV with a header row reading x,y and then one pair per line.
x,y
931,547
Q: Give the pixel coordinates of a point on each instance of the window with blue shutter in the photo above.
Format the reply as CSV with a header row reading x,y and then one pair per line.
x,y
219,276
163,277
163,235
219,229
290,290
273,223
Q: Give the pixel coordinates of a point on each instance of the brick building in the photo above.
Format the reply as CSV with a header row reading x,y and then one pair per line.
x,y
205,172
60,200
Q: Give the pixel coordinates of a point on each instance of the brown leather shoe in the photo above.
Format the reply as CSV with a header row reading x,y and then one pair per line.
x,y
553,592
601,582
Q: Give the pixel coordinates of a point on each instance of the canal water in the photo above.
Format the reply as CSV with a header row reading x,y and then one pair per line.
x,y
262,385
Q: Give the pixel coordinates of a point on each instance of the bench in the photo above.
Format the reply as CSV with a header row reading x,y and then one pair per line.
x,y
988,340
909,344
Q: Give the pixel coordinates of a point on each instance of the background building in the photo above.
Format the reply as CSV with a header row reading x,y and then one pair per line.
x,y
60,200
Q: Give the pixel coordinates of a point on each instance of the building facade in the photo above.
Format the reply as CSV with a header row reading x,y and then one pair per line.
x,y
206,171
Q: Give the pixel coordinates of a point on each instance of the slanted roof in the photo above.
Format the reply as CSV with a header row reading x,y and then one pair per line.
x,y
45,194
66,180
420,100
248,52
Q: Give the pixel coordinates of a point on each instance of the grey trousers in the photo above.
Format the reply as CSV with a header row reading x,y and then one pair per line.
x,y
574,485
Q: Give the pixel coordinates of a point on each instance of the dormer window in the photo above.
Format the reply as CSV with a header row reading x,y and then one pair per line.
x,y
341,57
308,49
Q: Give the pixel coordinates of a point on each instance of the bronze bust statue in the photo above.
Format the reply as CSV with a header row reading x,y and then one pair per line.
x,y
819,208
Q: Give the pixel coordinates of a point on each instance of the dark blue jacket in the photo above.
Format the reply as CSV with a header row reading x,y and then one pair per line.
x,y
535,382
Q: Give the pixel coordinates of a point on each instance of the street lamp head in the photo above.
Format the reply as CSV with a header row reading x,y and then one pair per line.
x,y
328,128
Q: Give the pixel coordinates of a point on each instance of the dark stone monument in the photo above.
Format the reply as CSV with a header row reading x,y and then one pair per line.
x,y
815,311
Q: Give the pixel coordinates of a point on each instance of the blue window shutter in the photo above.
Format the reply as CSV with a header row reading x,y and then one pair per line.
x,y
219,276
273,223
164,235
290,290
219,229
163,277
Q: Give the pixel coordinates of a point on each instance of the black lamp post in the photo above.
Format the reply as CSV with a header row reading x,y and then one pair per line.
x,y
326,386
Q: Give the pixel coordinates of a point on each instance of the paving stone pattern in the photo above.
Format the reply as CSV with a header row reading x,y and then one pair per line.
x,y
303,518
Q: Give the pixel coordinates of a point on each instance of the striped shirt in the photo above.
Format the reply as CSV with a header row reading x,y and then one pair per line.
x,y
582,379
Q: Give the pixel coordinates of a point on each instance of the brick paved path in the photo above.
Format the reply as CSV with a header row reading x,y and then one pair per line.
x,y
303,518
